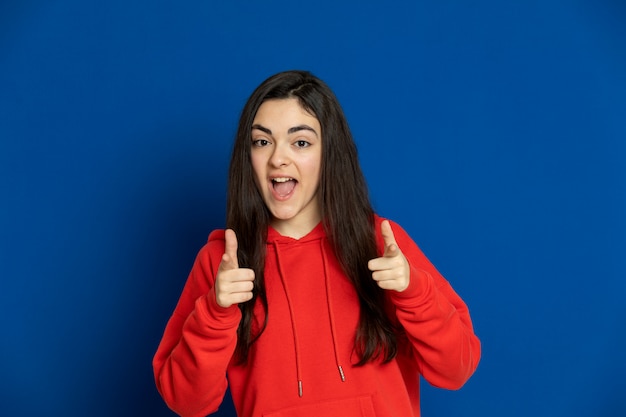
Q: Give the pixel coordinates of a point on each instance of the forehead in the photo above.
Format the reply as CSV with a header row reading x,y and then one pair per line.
x,y
287,113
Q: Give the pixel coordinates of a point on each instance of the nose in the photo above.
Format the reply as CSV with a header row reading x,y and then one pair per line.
x,y
280,156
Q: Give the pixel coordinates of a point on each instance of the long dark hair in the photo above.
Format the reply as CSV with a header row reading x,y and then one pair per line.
x,y
347,214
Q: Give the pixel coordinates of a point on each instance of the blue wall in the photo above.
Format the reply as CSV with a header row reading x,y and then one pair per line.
x,y
494,132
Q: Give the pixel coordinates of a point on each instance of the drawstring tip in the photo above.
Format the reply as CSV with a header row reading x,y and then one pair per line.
x,y
300,388
341,374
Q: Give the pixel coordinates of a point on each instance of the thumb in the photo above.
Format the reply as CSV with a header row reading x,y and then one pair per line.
x,y
391,247
229,259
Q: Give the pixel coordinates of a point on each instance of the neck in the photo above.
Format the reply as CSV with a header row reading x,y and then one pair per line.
x,y
294,230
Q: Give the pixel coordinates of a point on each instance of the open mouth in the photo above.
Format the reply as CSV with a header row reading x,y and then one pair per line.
x,y
283,186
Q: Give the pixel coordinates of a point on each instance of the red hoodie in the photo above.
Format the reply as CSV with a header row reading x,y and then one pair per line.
x,y
302,365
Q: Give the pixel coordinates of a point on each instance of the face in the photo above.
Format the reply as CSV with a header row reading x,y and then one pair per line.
x,y
286,153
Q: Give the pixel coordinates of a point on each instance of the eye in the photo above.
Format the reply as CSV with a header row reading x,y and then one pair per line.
x,y
259,143
302,144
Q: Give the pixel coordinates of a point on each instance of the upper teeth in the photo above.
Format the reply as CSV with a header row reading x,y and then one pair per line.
x,y
281,179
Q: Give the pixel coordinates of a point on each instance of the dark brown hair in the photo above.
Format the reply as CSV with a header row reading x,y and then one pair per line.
x,y
347,214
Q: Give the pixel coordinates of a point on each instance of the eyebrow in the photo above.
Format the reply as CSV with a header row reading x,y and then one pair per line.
x,y
262,129
290,131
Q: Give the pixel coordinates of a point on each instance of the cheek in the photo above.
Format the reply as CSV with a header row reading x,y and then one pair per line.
x,y
316,164
257,167
314,169
258,177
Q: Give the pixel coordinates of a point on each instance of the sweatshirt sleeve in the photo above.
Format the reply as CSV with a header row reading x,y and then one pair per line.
x,y
198,343
436,320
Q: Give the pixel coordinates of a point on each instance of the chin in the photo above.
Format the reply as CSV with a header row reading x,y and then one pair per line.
x,y
283,216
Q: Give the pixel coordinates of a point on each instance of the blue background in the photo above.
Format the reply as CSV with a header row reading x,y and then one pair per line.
x,y
494,132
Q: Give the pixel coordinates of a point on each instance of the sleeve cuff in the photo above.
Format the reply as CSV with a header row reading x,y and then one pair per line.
x,y
217,317
420,286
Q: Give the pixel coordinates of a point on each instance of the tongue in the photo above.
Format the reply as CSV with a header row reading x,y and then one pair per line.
x,y
284,188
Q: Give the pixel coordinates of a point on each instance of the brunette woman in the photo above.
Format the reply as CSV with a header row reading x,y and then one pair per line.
x,y
309,304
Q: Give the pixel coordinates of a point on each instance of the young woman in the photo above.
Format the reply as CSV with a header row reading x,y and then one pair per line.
x,y
309,304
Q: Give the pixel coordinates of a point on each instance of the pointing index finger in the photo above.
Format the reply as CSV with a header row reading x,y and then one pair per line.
x,y
391,247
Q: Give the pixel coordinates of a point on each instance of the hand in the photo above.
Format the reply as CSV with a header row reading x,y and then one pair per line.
x,y
391,271
233,285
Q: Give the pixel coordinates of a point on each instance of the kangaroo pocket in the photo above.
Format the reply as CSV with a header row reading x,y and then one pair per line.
x,y
349,407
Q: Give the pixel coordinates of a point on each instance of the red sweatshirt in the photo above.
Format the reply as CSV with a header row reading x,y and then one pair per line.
x,y
294,367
